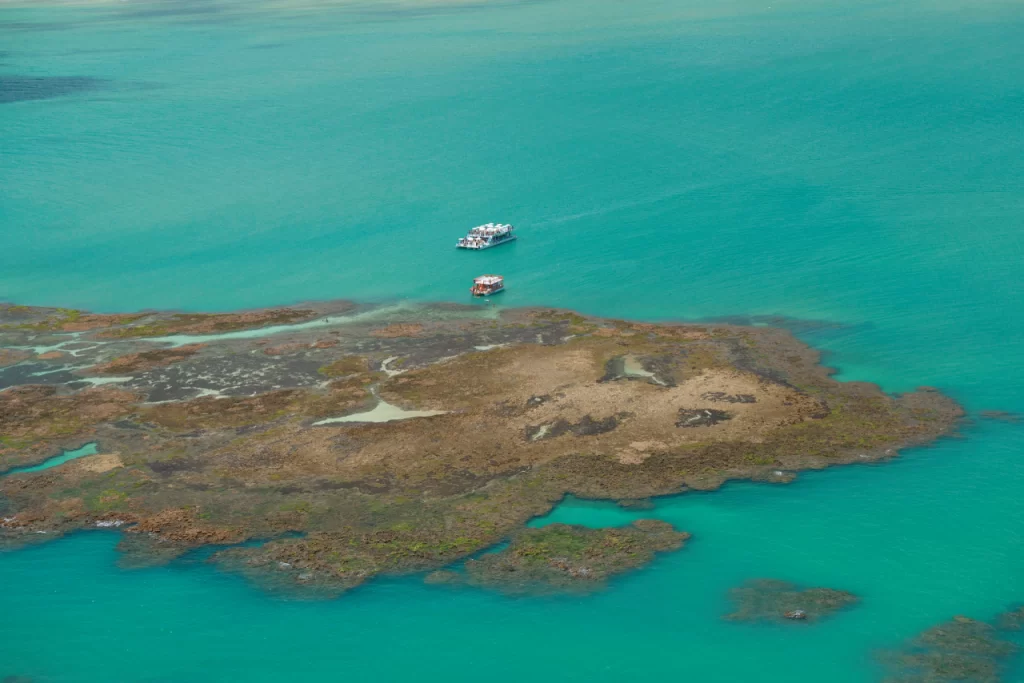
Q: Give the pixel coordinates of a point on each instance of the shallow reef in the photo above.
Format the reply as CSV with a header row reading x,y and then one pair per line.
x,y
237,439
562,558
1011,620
774,600
960,649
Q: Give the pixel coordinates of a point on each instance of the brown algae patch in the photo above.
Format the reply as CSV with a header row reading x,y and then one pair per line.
x,y
774,600
12,356
349,365
398,330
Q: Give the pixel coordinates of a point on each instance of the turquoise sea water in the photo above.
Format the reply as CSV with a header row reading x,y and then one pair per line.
x,y
857,164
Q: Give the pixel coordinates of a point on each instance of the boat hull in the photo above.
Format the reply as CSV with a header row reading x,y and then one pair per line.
x,y
487,246
482,294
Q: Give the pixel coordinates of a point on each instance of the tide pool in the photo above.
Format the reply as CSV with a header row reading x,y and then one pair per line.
x,y
854,168
65,456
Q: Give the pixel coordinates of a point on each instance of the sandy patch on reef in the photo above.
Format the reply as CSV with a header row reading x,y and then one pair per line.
x,y
478,435
102,462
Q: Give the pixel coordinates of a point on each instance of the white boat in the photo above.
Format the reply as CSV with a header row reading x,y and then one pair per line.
x,y
485,285
486,236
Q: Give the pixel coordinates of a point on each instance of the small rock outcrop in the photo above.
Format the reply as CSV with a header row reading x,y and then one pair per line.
x,y
564,558
773,600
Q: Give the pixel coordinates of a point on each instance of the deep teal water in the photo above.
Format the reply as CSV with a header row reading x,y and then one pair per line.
x,y
858,164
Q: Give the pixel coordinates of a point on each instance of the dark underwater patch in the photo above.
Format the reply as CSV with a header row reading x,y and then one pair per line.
x,y
24,373
33,26
15,88
701,417
173,8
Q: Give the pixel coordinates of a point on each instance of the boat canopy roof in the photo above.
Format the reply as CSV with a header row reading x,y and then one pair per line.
x,y
488,280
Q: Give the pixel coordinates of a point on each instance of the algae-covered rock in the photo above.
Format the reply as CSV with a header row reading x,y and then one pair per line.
x,y
773,600
564,558
146,360
227,443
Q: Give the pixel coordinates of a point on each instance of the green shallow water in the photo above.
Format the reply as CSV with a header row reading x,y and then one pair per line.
x,y
859,165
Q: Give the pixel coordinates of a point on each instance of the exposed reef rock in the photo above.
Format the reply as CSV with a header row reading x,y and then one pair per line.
x,y
223,442
398,330
773,600
12,356
31,319
36,421
208,323
146,360
961,649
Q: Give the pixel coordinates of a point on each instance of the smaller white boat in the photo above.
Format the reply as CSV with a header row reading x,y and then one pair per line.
x,y
486,236
485,285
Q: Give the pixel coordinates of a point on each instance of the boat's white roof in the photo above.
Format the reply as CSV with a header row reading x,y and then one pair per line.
x,y
488,279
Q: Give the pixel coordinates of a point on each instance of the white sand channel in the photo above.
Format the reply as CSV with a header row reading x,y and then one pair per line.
x,y
631,367
382,412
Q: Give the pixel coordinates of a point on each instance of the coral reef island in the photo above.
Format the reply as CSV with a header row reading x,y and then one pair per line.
x,y
340,442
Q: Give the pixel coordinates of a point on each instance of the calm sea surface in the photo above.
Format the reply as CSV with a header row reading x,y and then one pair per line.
x,y
855,167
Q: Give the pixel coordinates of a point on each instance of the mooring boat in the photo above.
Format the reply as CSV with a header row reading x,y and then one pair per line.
x,y
486,236
485,285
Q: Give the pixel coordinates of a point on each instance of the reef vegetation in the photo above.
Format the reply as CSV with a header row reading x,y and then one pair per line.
x,y
562,558
776,601
961,649
229,441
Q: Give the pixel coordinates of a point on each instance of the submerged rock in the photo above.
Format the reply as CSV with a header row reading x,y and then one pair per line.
x,y
564,558
1012,620
773,600
960,649
1002,416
